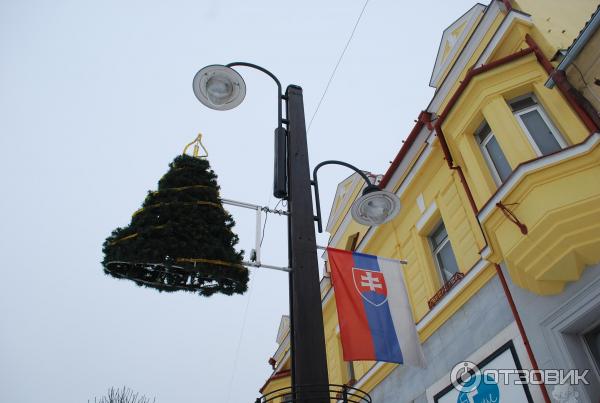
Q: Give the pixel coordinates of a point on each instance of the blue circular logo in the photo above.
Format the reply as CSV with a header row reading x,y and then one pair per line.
x,y
478,389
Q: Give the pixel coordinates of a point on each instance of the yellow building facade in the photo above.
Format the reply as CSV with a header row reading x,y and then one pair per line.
x,y
499,183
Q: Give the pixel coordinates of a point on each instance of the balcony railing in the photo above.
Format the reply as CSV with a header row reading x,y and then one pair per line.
x,y
311,393
437,297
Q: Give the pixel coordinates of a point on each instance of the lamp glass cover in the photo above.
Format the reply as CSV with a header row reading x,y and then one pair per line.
x,y
219,87
375,208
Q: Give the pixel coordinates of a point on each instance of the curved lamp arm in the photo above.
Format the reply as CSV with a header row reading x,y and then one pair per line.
x,y
280,162
279,89
370,186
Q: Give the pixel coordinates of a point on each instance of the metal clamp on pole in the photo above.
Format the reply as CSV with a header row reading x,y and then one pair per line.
x,y
255,260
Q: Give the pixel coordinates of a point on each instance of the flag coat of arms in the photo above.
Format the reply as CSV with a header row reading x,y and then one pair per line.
x,y
374,312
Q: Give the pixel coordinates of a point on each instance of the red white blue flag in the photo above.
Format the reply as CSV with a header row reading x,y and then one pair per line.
x,y
374,312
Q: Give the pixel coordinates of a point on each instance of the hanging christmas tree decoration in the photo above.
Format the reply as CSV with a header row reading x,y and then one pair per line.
x,y
181,238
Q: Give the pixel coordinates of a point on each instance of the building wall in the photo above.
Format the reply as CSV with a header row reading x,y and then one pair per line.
x,y
551,320
475,323
585,70
272,389
434,193
559,21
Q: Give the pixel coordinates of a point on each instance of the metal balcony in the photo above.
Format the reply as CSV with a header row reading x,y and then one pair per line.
x,y
316,393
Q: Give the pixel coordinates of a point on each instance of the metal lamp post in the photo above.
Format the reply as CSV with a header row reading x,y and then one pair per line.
x,y
222,88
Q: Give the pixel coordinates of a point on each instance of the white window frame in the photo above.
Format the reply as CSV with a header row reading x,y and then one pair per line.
x,y
562,331
540,109
586,347
437,249
487,156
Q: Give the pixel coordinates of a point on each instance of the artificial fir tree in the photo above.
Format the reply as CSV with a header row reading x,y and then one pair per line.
x,y
181,238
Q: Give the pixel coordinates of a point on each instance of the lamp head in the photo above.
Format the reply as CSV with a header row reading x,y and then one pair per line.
x,y
375,206
219,87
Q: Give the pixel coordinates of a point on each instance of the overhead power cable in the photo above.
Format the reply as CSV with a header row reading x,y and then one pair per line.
x,y
338,64
239,344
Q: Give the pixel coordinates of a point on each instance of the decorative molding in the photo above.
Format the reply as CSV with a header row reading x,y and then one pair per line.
x,y
421,203
556,198
374,369
580,310
408,163
452,42
422,222
485,23
534,165
283,348
503,29
444,302
343,193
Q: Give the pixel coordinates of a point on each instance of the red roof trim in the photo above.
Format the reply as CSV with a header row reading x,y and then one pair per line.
x,y
282,374
423,119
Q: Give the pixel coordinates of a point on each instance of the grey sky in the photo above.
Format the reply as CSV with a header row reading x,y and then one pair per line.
x,y
96,100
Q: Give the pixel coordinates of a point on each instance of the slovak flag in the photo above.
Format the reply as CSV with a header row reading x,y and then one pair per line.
x,y
374,314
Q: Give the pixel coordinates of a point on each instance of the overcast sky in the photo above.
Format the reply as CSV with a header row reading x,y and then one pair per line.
x,y
96,100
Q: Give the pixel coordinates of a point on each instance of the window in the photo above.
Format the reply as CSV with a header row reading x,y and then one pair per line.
x,y
544,137
352,241
592,342
442,253
493,154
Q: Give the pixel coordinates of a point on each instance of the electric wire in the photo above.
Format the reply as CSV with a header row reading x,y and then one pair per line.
x,y
262,238
239,344
337,65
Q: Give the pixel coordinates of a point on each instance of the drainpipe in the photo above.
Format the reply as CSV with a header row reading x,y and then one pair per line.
x,y
508,6
563,86
507,293
560,79
519,323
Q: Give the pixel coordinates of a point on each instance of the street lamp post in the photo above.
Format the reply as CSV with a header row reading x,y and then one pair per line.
x,y
309,355
222,88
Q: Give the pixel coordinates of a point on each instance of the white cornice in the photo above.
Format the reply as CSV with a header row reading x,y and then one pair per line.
x,y
408,159
350,184
368,374
468,19
284,327
485,23
535,165
500,33
283,347
426,216
457,289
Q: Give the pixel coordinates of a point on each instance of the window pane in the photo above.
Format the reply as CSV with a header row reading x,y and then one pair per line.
x,y
447,261
522,104
539,130
483,132
498,159
438,236
593,341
